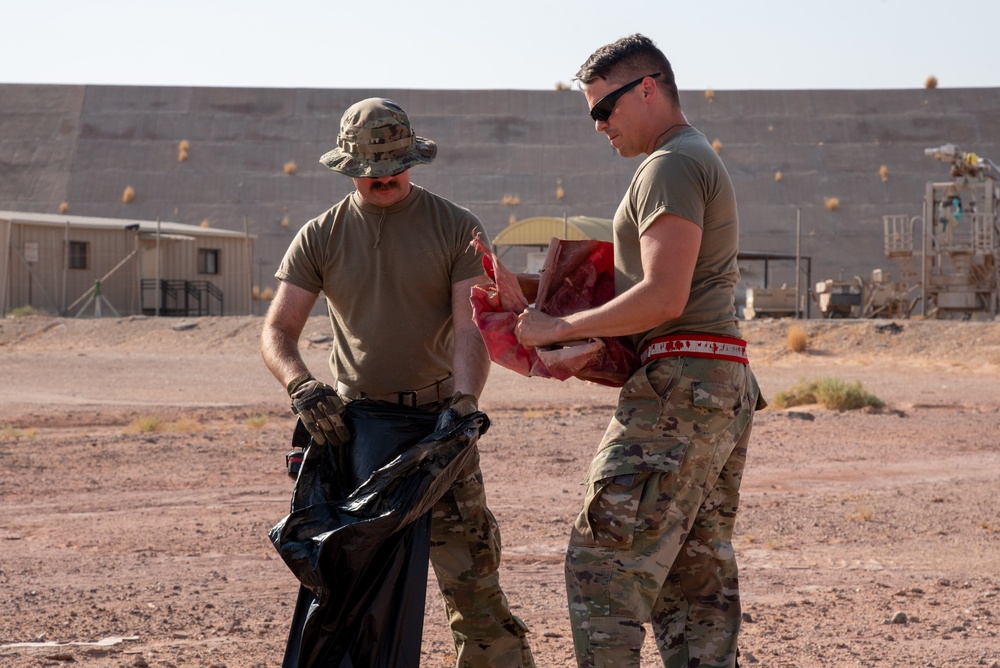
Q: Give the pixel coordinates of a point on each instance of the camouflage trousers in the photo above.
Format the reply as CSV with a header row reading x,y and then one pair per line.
x,y
465,554
653,542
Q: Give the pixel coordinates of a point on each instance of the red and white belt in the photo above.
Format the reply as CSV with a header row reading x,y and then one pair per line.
x,y
696,345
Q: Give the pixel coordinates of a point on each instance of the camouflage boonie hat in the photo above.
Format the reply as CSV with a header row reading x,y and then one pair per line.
x,y
376,140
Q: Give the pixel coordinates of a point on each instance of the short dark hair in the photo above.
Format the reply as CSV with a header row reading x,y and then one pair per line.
x,y
627,59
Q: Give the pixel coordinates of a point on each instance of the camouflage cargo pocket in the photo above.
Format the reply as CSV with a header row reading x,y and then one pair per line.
x,y
639,416
724,397
467,530
609,518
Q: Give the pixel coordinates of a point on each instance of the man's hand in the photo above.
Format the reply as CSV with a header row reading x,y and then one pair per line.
x,y
320,408
535,329
461,405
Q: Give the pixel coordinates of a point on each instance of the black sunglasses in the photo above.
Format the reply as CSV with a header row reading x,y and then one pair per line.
x,y
606,105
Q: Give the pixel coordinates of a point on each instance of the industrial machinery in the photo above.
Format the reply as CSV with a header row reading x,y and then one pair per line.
x,y
957,263
840,299
858,298
770,303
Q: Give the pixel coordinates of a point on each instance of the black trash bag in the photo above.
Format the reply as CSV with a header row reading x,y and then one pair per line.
x,y
358,535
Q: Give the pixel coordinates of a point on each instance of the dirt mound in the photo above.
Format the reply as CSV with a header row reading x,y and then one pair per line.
x,y
907,341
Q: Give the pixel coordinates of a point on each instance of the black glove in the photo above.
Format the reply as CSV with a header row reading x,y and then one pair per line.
x,y
460,405
320,408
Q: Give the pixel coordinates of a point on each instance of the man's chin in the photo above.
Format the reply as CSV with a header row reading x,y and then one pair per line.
x,y
383,198
621,148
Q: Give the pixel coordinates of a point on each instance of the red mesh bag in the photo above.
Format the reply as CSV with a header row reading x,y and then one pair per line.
x,y
576,275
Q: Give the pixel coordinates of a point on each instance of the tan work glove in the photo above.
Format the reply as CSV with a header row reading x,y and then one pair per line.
x,y
460,405
320,408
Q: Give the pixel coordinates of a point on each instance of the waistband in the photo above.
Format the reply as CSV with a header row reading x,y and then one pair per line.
x,y
433,393
696,345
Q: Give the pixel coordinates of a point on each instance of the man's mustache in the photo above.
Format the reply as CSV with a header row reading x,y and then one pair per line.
x,y
385,185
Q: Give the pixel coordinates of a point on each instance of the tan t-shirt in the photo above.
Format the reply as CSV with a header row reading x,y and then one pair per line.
x,y
684,177
387,277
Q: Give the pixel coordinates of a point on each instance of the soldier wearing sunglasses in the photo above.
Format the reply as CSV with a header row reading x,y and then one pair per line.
x,y
653,541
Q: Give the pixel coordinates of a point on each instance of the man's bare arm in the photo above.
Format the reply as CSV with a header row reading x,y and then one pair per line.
x,y
283,324
669,249
471,364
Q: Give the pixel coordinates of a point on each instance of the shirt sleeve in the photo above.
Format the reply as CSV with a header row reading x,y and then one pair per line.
x,y
670,183
468,262
302,264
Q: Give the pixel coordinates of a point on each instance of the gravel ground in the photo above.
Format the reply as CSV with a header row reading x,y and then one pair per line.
x,y
142,467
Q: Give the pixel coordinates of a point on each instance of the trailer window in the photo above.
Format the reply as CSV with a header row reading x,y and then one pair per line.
x,y
208,261
78,251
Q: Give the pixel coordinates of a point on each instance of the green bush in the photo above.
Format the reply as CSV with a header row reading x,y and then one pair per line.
x,y
831,393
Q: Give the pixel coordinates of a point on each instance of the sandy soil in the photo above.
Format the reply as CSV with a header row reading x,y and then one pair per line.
x,y
866,538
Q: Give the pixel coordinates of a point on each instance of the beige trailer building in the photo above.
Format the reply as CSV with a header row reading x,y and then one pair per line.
x,y
92,267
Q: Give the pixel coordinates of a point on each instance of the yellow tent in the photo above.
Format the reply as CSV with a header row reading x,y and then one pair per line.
x,y
540,230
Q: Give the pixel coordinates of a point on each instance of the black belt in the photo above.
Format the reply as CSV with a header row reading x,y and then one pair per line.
x,y
433,393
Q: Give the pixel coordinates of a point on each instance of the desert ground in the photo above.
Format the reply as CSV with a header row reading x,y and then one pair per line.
x,y
142,464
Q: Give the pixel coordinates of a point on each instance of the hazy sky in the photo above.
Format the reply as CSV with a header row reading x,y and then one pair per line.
x,y
509,44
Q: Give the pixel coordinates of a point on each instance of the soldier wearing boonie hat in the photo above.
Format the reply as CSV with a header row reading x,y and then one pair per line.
x,y
394,263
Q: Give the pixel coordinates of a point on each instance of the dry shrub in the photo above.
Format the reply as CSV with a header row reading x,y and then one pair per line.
x,y
831,393
932,82
128,194
25,311
290,167
8,433
63,207
832,203
862,513
777,176
145,425
717,145
883,173
710,95
798,339
185,425
256,422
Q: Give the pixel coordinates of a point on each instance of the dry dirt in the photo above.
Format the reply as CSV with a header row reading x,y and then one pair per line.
x,y
865,538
